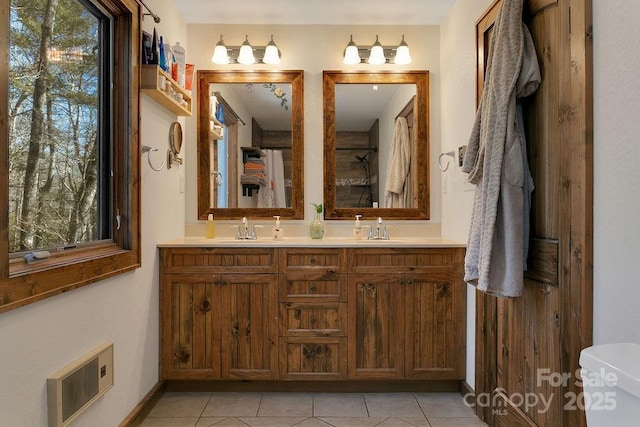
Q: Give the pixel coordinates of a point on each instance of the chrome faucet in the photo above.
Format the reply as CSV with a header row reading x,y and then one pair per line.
x,y
246,231
378,231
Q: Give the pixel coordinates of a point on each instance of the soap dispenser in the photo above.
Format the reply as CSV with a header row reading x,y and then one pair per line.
x,y
357,228
210,232
278,231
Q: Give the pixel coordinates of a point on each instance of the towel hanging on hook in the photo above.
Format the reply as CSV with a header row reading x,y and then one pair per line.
x,y
448,153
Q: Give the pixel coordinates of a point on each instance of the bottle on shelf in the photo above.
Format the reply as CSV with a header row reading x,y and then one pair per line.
x,y
162,61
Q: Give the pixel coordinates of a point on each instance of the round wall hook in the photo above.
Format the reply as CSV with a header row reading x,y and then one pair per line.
x,y
448,153
148,150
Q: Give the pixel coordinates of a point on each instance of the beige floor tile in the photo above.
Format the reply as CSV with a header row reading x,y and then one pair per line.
x,y
339,405
286,405
417,422
393,405
312,422
456,422
353,422
233,405
443,405
169,422
180,405
272,421
218,422
394,422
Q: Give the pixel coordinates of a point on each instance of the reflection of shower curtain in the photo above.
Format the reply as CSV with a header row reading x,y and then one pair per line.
x,y
397,191
272,195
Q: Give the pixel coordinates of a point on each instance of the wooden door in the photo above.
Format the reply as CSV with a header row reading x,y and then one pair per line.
x,y
249,326
376,326
522,342
190,333
434,328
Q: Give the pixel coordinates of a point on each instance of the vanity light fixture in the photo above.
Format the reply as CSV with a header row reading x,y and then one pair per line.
x,y
377,54
246,54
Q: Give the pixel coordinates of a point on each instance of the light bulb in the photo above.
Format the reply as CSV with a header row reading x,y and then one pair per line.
x,y
271,53
246,52
377,54
220,55
351,54
402,53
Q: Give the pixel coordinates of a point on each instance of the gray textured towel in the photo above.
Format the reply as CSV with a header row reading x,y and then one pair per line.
x,y
496,160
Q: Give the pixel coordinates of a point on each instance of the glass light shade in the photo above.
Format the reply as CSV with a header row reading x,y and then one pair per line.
x,y
377,54
271,53
246,53
402,53
220,55
351,54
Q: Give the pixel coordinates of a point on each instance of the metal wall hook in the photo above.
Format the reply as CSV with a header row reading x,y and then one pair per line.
x,y
448,153
147,149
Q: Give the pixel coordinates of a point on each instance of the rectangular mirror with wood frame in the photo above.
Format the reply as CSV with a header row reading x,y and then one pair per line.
x,y
251,148
376,144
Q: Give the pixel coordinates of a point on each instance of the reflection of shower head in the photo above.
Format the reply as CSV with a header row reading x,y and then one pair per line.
x,y
363,159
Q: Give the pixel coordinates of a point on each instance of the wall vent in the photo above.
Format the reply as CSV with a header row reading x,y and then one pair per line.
x,y
76,386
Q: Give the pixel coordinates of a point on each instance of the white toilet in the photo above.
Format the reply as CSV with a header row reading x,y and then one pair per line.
x,y
611,383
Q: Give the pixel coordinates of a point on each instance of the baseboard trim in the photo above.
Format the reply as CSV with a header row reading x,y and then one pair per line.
x,y
361,386
142,409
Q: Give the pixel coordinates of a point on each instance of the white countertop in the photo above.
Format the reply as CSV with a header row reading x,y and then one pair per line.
x,y
307,242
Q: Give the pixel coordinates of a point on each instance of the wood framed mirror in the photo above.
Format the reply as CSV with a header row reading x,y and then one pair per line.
x,y
251,153
373,122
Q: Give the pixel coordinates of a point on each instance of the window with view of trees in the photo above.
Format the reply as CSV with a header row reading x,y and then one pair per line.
x,y
68,128
58,96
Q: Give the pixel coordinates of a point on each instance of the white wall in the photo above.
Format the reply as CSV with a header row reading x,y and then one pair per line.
x,y
314,49
458,106
616,173
39,339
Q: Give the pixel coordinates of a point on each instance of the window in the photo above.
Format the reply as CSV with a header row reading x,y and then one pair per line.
x,y
69,134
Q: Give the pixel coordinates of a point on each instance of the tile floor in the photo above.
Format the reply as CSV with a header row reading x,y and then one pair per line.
x,y
311,410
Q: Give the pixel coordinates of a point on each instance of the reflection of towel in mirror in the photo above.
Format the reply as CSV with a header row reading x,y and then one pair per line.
x,y
271,195
399,165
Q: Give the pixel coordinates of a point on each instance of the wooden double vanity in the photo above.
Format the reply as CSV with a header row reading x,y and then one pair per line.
x,y
312,313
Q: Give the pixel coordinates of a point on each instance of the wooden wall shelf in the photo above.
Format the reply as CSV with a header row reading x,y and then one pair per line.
x,y
150,84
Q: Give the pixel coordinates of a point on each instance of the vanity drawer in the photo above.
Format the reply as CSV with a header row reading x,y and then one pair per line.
x,y
313,358
330,260
405,260
313,286
219,260
320,320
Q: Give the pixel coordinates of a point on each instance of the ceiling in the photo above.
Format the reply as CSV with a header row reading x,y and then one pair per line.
x,y
310,12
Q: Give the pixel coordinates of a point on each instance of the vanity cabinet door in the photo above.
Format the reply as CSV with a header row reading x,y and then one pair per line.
x,y
249,326
435,326
218,313
190,333
376,326
407,315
